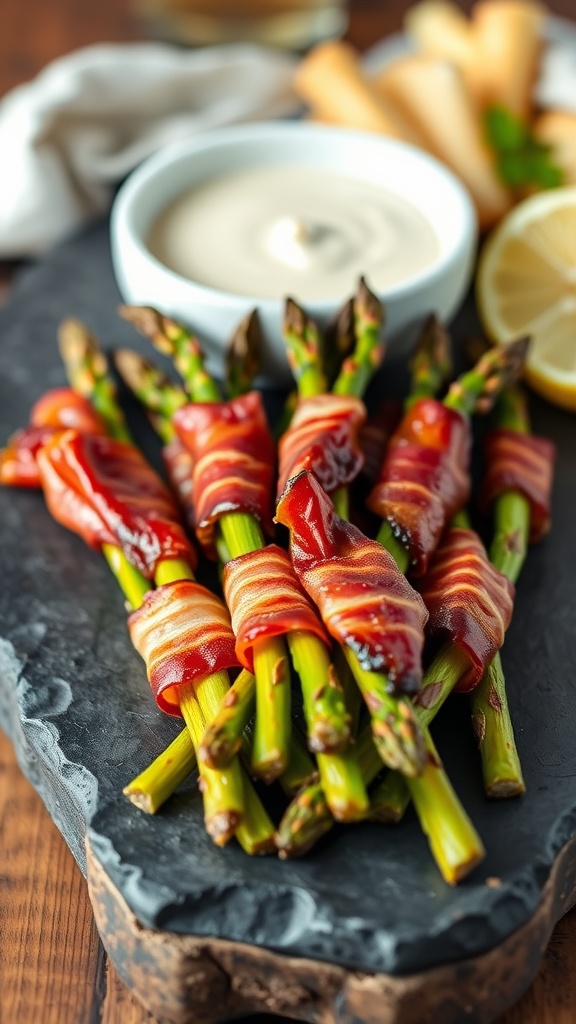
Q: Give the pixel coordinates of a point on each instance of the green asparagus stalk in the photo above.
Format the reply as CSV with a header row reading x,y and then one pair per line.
x,y
183,347
474,392
431,362
224,792
223,737
339,341
491,718
396,731
89,375
241,533
303,348
153,389
149,790
243,355
453,839
359,368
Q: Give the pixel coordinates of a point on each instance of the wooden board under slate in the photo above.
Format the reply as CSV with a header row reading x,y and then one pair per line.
x,y
363,929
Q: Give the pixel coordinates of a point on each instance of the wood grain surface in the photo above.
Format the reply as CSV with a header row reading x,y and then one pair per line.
x,y
53,969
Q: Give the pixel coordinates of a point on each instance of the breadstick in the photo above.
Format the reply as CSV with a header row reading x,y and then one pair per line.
x,y
330,79
557,129
508,35
432,94
441,29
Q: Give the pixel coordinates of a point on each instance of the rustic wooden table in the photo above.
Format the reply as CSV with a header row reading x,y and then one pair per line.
x,y
53,969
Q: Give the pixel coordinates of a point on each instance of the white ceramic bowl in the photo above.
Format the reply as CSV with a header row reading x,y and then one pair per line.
x,y
213,314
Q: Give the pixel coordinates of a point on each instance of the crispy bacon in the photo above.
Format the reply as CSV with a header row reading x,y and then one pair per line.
x,y
323,438
107,492
183,632
424,478
524,463
233,455
65,409
58,409
266,599
365,601
469,600
179,466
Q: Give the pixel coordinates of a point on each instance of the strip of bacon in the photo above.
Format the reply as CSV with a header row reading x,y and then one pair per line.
x,y
57,410
524,463
365,602
233,455
266,599
469,600
65,409
424,478
107,492
323,437
183,632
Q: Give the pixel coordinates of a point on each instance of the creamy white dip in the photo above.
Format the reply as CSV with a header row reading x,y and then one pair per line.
x,y
274,231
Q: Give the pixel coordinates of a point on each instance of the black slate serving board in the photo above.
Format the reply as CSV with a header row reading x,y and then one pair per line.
x,y
75,702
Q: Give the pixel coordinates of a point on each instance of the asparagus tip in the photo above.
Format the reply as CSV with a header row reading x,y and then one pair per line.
x,y
367,304
400,740
130,366
145,319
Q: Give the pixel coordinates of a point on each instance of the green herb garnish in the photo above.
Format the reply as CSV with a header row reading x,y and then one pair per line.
x,y
521,160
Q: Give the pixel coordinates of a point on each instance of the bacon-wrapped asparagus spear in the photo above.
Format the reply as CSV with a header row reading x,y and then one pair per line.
x,y
224,736
242,534
185,614
55,411
523,488
517,487
425,475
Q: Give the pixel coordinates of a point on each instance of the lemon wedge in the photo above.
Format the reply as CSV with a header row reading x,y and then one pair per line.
x,y
526,284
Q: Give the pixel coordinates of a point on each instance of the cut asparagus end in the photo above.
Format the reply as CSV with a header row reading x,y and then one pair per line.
x,y
255,833
501,768
454,842
149,790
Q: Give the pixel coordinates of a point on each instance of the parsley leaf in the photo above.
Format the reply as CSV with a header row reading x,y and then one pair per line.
x,y
521,160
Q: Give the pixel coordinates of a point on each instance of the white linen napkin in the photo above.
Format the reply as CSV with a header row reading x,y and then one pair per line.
x,y
70,135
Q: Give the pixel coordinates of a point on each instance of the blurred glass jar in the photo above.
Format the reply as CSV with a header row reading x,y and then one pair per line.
x,y
294,24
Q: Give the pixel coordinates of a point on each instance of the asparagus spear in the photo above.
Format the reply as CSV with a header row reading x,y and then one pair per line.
x,y
339,340
474,392
153,389
359,367
224,792
302,340
431,363
243,355
395,728
88,373
223,737
242,534
501,767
